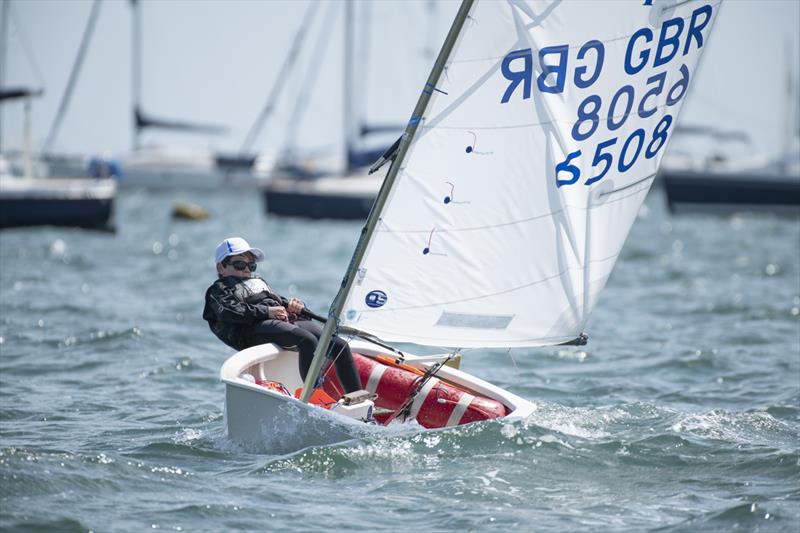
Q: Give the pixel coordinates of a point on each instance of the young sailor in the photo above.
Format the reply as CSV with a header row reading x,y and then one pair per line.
x,y
243,311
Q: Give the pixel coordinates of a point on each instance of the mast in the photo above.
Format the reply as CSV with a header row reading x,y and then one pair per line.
x,y
140,119
26,147
789,109
364,50
307,84
283,75
136,69
5,12
380,201
348,79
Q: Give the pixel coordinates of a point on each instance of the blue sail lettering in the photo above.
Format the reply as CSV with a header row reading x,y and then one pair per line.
x,y
671,41
644,55
558,69
638,51
696,28
517,68
580,82
523,76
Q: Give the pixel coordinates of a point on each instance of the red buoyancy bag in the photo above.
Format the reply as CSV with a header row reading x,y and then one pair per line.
x,y
438,403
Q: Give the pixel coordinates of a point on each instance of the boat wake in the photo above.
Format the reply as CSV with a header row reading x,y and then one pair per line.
x,y
625,433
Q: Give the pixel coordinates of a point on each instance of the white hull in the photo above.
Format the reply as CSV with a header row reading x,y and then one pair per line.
x,y
153,177
360,185
171,169
72,202
269,421
345,198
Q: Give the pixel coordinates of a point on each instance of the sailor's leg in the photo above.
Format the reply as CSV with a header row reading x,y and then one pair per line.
x,y
341,355
345,367
286,334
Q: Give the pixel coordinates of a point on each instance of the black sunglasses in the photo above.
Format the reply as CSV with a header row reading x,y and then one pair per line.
x,y
241,265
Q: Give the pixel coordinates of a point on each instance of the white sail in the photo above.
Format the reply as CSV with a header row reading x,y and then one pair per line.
x,y
536,150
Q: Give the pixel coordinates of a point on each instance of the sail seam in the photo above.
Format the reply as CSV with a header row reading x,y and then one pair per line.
x,y
528,125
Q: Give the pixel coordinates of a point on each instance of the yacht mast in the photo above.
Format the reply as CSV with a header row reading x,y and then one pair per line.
x,y
136,68
5,12
348,85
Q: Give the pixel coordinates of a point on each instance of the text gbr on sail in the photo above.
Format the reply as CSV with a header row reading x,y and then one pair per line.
x,y
674,36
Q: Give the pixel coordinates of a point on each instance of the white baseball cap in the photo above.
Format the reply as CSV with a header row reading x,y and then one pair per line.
x,y
236,246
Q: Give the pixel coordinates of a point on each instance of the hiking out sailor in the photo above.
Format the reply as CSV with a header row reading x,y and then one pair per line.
x,y
242,310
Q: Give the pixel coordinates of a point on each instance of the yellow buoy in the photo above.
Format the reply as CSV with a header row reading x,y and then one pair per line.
x,y
187,211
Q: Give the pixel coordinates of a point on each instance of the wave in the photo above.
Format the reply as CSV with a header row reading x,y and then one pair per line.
x,y
746,516
635,433
55,525
752,428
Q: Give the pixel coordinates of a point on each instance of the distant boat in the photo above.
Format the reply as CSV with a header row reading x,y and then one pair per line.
x,y
59,165
26,200
691,191
346,195
725,181
180,168
79,202
720,185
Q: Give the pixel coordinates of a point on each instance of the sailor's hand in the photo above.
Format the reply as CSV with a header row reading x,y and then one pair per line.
x,y
295,306
278,313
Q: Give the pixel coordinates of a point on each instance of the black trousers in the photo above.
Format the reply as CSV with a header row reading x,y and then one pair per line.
x,y
304,334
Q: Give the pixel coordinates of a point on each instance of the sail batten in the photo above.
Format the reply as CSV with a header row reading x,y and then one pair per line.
x,y
423,128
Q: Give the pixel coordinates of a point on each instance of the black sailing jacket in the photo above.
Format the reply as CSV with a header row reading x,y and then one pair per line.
x,y
235,305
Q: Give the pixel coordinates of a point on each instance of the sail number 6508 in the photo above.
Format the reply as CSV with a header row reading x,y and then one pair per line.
x,y
628,154
622,103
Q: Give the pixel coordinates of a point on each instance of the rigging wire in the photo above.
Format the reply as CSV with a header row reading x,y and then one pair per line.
x,y
405,409
301,102
283,74
26,47
511,356
73,76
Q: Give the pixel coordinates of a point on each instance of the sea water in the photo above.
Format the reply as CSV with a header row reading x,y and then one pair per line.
x,y
681,414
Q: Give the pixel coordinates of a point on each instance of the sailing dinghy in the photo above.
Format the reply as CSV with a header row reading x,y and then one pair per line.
x,y
506,204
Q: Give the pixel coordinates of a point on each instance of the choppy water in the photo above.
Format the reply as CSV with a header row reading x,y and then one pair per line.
x,y
682,413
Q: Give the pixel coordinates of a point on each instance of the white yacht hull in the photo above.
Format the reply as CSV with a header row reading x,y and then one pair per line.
x,y
72,202
329,197
188,178
176,169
